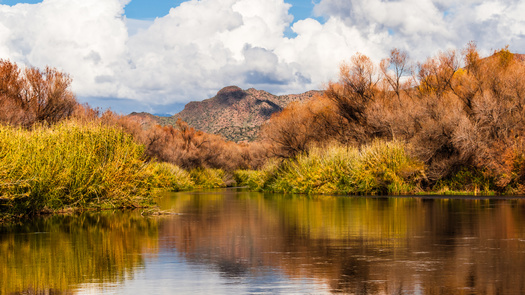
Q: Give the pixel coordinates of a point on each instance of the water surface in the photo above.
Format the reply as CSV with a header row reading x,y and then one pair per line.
x,y
227,241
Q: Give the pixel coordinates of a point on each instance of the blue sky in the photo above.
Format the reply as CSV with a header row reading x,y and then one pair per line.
x,y
143,9
134,56
149,10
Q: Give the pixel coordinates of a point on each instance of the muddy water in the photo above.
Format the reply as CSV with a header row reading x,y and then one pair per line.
x,y
230,241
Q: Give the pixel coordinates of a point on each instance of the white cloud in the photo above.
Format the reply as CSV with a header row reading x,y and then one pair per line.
x,y
424,27
137,25
201,46
85,38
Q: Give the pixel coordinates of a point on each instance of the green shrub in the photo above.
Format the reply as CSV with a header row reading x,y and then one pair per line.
x,y
252,178
71,165
208,178
318,172
385,168
257,179
379,168
169,176
466,182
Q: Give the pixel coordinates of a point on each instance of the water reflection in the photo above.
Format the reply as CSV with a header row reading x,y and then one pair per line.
x,y
57,254
356,245
237,242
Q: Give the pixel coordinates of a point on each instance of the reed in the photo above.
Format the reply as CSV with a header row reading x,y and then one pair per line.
x,y
321,171
386,168
378,168
168,176
205,178
254,179
71,165
468,182
257,180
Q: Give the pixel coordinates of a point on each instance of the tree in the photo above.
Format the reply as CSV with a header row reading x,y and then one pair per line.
x,y
436,74
357,87
47,95
395,68
33,95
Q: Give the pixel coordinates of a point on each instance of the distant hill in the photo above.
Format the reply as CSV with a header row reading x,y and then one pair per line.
x,y
233,113
145,119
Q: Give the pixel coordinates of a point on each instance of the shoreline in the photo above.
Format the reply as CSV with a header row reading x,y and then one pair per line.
x,y
8,217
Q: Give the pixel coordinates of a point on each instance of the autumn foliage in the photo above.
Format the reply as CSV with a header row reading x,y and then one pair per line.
x,y
32,95
60,153
181,144
459,114
456,112
29,96
188,148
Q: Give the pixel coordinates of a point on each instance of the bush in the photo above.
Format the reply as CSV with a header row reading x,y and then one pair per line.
x,y
169,176
71,165
32,95
208,178
386,168
256,179
378,168
320,171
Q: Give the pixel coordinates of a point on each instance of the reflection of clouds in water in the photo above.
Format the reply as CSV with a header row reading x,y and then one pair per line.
x,y
228,243
350,244
168,273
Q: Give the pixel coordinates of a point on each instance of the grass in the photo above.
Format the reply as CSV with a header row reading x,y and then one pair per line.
x,y
75,165
71,165
90,165
378,168
208,178
170,177
466,182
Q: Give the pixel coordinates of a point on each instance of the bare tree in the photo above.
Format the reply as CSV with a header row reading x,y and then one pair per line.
x,y
394,68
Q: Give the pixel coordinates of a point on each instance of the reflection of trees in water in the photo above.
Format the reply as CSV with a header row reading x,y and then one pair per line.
x,y
359,245
55,254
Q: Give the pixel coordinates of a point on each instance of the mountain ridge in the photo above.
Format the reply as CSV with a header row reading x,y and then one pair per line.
x,y
234,113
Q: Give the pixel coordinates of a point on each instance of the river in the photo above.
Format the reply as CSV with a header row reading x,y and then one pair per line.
x,y
235,242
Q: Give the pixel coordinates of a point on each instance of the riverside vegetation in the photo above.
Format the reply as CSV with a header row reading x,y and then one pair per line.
x,y
453,124
378,168
57,155
459,115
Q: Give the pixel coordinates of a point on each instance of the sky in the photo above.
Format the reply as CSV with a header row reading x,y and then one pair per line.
x,y
155,56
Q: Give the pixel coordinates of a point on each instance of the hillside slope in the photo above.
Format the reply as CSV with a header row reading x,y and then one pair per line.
x,y
234,113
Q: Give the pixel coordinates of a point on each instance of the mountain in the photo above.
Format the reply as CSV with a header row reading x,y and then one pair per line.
x,y
234,113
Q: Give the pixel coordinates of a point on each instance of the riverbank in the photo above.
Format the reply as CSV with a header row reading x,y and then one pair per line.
x,y
90,166
82,166
380,168
71,165
77,165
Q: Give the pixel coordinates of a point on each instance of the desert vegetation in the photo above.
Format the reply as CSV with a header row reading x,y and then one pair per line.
x,y
451,124
31,95
460,115
70,165
377,168
57,154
